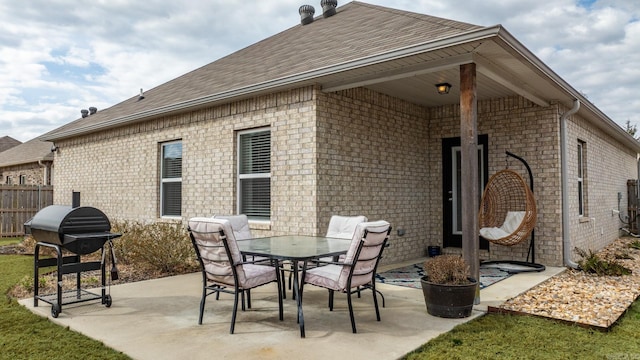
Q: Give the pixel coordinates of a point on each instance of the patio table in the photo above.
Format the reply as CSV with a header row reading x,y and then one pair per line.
x,y
295,248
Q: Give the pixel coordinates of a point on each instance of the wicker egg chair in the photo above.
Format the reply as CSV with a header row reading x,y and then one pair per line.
x,y
506,193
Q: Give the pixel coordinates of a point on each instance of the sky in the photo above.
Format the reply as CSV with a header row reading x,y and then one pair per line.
x,y
60,56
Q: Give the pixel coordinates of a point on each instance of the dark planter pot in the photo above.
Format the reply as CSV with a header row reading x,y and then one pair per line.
x,y
433,250
449,301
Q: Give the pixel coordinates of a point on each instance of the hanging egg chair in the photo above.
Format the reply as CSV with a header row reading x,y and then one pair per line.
x,y
507,209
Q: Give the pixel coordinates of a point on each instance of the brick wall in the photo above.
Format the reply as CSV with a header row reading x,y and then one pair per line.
x,y
350,152
118,170
373,161
527,130
608,167
34,174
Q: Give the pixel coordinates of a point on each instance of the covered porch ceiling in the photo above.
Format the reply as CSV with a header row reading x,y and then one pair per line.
x,y
504,68
413,78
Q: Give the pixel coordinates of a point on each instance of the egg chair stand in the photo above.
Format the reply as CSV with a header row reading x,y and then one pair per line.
x,y
506,195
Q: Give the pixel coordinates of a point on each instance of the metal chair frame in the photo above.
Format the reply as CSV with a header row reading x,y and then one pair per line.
x,y
211,287
349,289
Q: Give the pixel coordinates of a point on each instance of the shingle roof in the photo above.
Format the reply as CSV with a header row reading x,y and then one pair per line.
x,y
356,31
28,152
7,142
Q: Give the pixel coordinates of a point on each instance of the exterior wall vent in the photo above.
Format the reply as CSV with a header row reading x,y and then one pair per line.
x,y
306,14
328,7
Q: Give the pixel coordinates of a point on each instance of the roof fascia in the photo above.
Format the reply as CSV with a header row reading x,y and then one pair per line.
x,y
415,70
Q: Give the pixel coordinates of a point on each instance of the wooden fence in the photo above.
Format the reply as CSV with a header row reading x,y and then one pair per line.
x,y
18,203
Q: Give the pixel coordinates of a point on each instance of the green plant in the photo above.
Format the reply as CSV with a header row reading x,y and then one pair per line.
x,y
592,263
447,269
27,283
161,246
623,255
635,244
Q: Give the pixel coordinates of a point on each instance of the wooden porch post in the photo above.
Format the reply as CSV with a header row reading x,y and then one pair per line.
x,y
469,168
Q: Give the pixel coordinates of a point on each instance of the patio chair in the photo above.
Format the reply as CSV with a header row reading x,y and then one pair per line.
x,y
239,225
357,270
341,227
242,231
223,268
507,210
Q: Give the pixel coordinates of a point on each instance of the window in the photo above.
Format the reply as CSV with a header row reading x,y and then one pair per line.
x,y
23,179
8,180
581,178
171,180
254,174
456,176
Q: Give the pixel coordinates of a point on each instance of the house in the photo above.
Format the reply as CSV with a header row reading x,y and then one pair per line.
x,y
340,114
7,142
28,163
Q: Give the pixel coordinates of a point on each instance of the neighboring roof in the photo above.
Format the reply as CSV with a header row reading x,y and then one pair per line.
x,y
30,152
390,51
7,142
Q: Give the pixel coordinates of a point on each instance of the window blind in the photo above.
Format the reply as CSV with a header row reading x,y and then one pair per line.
x,y
254,170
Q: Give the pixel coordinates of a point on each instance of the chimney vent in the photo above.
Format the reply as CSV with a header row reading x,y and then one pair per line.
x,y
84,113
306,14
93,110
328,7
141,95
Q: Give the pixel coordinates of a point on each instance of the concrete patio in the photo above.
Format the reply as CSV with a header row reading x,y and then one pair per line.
x,y
157,319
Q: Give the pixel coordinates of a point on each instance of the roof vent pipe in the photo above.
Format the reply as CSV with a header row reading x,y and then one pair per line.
x,y
306,14
328,7
84,113
93,110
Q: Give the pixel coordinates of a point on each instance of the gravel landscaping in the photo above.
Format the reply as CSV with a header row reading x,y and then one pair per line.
x,y
582,298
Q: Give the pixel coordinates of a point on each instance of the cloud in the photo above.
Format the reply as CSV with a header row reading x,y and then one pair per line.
x,y
60,56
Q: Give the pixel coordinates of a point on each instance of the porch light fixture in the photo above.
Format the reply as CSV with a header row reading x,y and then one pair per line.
x,y
443,88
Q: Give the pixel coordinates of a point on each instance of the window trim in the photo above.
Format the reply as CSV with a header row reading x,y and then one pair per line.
x,y
581,176
168,180
240,177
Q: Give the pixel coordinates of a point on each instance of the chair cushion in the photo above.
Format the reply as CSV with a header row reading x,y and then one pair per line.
x,y
206,232
257,275
324,276
511,223
343,226
239,225
336,277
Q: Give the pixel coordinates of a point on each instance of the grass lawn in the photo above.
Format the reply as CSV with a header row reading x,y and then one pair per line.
x,y
24,335
497,336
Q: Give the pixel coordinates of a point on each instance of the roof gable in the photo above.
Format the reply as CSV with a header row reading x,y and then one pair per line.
x,y
31,151
358,30
7,142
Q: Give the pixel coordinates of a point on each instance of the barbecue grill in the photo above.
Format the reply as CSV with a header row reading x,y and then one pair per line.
x,y
79,230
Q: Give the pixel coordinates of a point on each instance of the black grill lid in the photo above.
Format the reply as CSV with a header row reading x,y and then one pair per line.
x,y
52,223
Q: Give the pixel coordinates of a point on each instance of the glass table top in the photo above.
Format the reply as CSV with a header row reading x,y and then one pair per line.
x,y
297,247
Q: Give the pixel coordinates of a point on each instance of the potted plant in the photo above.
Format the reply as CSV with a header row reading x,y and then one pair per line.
x,y
448,289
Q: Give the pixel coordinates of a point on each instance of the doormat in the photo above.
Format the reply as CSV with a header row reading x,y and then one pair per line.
x,y
409,276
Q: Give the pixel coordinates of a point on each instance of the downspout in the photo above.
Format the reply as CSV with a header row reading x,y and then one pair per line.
x,y
566,232
45,172
44,180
